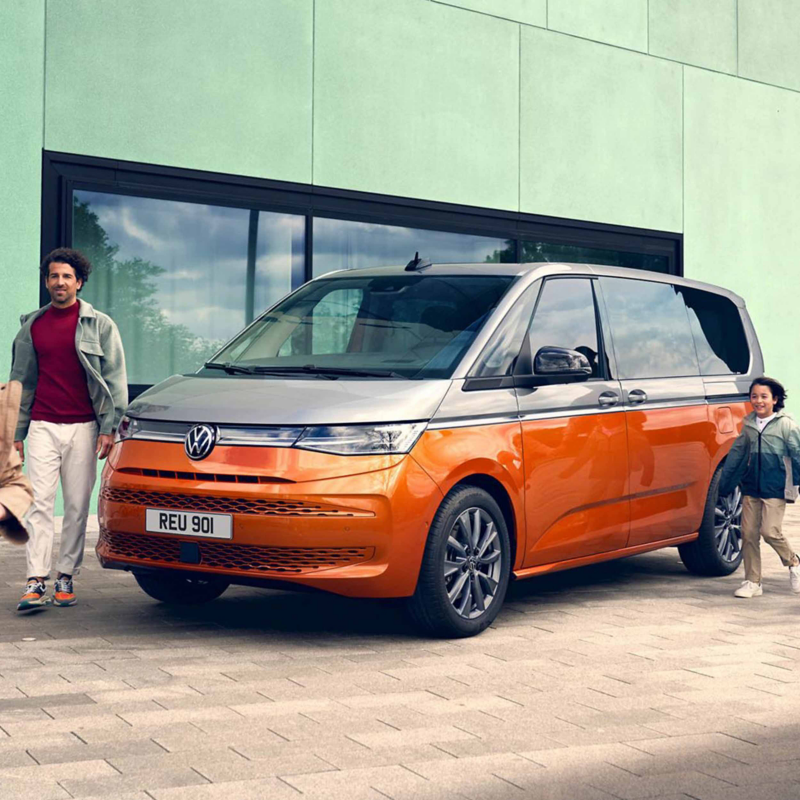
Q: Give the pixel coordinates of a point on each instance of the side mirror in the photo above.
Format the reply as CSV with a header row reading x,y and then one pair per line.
x,y
556,365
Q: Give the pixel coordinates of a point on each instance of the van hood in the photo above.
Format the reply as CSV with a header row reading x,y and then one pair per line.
x,y
275,401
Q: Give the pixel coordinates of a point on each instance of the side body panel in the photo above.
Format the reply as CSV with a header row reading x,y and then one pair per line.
x,y
669,441
576,472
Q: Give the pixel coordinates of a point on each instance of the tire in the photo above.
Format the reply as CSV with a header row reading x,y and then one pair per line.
x,y
178,589
717,550
439,607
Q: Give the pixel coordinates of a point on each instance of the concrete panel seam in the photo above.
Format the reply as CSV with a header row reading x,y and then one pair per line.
x,y
313,77
44,72
487,14
737,37
669,60
519,120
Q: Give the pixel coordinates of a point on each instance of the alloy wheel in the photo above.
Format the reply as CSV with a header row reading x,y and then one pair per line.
x,y
473,562
728,525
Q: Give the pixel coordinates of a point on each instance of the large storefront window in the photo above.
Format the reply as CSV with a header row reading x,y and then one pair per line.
x,y
180,279
343,244
183,260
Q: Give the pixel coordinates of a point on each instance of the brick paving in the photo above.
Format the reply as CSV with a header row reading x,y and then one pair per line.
x,y
627,680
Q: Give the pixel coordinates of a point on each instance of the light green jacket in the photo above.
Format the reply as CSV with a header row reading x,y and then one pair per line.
x,y
99,348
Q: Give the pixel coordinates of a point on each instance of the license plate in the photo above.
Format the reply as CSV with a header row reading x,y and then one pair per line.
x,y
188,523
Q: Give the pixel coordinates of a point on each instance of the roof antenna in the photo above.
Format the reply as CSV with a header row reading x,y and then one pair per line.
x,y
417,263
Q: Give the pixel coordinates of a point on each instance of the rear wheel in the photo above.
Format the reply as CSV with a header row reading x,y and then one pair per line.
x,y
175,588
718,548
465,568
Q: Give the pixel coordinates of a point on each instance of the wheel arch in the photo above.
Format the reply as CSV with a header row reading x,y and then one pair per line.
x,y
500,495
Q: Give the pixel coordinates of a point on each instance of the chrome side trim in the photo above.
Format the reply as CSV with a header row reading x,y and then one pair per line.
x,y
658,404
470,422
559,413
727,398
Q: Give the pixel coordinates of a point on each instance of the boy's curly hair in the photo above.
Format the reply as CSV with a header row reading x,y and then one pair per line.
x,y
66,255
776,387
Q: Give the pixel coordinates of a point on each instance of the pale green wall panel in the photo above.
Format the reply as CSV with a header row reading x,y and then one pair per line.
x,y
530,12
699,33
619,22
205,84
769,41
21,94
416,99
600,133
741,218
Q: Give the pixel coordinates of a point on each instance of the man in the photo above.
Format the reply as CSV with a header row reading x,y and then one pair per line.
x,y
70,362
15,489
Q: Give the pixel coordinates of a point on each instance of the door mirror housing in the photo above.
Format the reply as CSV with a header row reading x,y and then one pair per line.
x,y
553,365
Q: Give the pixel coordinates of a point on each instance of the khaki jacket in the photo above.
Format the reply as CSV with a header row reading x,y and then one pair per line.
x,y
99,349
15,489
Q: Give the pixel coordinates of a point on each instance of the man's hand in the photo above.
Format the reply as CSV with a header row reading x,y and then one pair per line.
x,y
105,441
20,448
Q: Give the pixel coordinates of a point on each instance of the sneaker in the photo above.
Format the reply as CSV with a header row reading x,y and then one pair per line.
x,y
749,589
794,578
33,596
63,594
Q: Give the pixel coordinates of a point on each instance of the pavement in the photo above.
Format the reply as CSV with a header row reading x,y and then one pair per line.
x,y
632,679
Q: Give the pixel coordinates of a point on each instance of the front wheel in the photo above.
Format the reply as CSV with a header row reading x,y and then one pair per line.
x,y
180,589
466,566
718,549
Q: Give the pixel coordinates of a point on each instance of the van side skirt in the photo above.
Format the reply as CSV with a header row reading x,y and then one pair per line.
x,y
542,569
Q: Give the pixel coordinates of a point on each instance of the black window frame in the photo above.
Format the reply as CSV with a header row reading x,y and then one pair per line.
x,y
63,173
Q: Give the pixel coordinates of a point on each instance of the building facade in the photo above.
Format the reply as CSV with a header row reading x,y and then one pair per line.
x,y
210,156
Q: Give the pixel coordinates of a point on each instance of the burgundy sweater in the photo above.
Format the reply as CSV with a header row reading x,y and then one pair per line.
x,y
62,394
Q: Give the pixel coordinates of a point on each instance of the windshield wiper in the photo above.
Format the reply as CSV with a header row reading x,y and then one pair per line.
x,y
231,369
328,372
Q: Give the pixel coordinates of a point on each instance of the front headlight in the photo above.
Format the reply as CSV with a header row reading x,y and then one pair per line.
x,y
362,440
128,426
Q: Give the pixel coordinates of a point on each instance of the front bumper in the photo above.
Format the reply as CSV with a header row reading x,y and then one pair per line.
x,y
359,532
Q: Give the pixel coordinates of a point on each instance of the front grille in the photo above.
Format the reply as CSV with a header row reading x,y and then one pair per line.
x,y
228,505
242,557
213,477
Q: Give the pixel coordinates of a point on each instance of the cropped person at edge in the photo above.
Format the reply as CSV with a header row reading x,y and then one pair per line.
x,y
765,460
69,359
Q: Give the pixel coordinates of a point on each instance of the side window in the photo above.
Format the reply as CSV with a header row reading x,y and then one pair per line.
x,y
718,333
500,354
565,317
650,325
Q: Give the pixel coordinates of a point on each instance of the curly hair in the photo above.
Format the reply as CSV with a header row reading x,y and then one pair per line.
x,y
776,387
66,255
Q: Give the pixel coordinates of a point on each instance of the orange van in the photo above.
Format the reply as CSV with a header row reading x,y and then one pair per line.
x,y
431,432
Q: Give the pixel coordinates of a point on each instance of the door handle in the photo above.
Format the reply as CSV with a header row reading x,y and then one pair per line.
x,y
607,399
637,396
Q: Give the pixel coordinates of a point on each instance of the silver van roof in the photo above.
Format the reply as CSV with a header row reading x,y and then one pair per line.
x,y
535,270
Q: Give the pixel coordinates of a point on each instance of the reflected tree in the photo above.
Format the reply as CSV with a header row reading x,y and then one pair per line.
x,y
126,290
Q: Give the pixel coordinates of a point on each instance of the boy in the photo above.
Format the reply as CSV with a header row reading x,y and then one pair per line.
x,y
765,460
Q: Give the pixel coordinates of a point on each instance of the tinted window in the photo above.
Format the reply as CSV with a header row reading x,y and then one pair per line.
x,y
565,317
718,333
652,337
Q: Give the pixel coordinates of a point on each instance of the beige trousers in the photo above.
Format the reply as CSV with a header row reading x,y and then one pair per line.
x,y
763,518
65,452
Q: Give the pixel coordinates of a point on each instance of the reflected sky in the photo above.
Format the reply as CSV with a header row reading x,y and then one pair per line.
x,y
343,244
652,337
203,251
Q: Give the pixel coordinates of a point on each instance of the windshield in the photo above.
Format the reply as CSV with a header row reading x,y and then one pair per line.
x,y
392,326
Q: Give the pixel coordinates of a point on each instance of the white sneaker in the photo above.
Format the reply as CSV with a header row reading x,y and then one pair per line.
x,y
749,589
794,578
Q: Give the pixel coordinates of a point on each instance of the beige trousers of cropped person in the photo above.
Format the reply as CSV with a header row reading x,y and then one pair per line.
x,y
67,452
763,517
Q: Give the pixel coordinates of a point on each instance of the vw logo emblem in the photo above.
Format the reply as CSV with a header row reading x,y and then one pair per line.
x,y
200,441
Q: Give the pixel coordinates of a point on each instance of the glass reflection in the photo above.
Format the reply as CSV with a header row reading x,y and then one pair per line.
x,y
180,279
343,244
531,251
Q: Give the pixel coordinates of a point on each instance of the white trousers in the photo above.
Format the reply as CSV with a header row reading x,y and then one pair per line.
x,y
56,451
